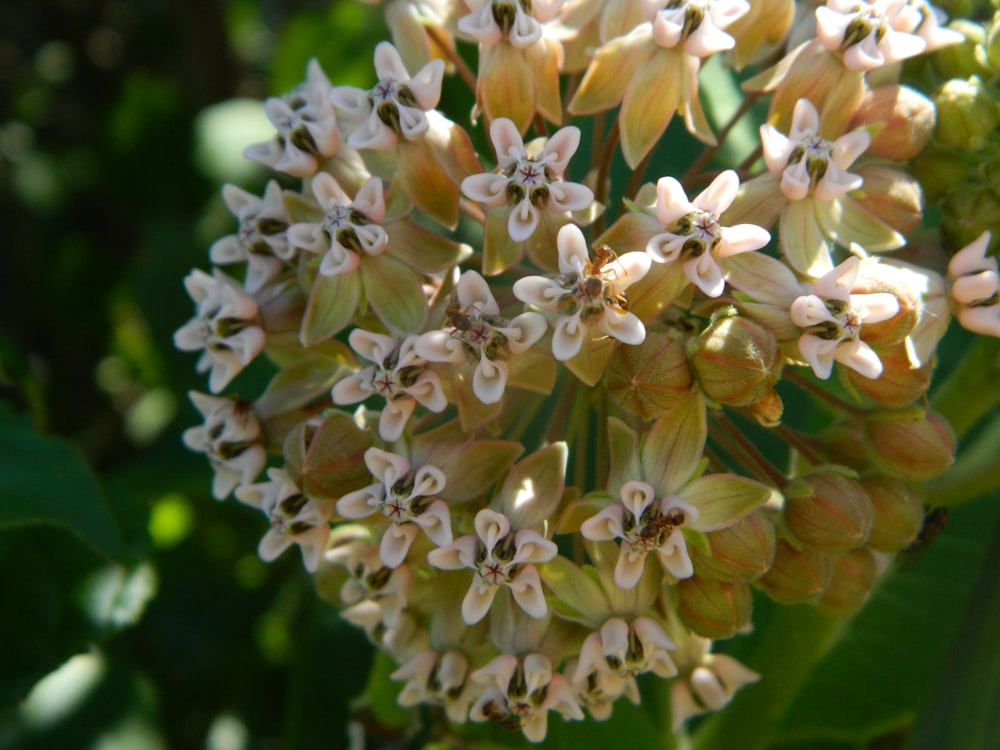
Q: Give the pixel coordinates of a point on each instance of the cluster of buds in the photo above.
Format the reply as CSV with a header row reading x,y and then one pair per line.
x,y
460,513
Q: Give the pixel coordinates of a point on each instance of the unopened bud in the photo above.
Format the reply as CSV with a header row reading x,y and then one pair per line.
x,y
796,575
828,510
714,609
899,513
900,384
941,170
968,213
768,410
910,443
891,195
328,460
844,443
901,121
742,551
960,60
968,113
650,379
737,361
854,574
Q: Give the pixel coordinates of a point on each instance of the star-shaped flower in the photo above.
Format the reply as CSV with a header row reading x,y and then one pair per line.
x,y
627,649
231,438
869,34
261,240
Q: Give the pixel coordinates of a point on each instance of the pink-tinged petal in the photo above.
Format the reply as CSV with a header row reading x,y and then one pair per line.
x,y
605,526
623,326
682,704
393,418
460,554
524,330
539,291
560,149
272,545
709,690
532,547
838,283
523,220
636,496
328,192
370,200
877,307
849,147
440,346
375,347
859,357
574,255
351,100
481,26
426,84
427,390
568,336
386,467
835,183
707,40
983,320
526,587
388,63
830,26
809,310
525,30
805,120
674,557
630,268
436,523
227,250
428,480
972,258
975,287
818,353
361,503
477,601
413,122
591,658
497,671
373,134
396,542
705,274
665,247
777,149
671,201
719,195
308,237
628,569
489,380
507,142
796,181
569,196
741,238
487,188
899,46
352,389
339,261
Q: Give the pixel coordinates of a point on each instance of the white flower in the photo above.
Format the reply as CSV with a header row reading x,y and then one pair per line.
x,y
694,236
440,679
587,294
295,518
348,227
231,437
491,21
975,287
500,557
306,125
478,332
807,163
405,497
395,108
869,34
398,375
708,681
598,690
261,240
928,27
225,326
831,317
696,25
627,649
520,692
529,183
645,524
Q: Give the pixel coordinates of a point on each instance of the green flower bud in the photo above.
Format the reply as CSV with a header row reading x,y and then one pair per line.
x,y
891,195
796,575
853,576
968,213
828,510
844,443
941,170
650,379
900,384
910,443
968,113
901,121
737,361
993,43
714,609
328,461
899,513
961,60
742,551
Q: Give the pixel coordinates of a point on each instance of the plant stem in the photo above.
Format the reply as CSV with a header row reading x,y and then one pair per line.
x,y
804,444
755,461
603,169
464,71
838,405
706,155
972,390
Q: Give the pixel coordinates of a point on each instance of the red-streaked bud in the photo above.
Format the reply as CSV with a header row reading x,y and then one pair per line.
x,y
899,513
900,384
737,361
796,575
328,460
828,510
844,443
891,195
714,609
650,379
900,119
854,574
742,551
911,443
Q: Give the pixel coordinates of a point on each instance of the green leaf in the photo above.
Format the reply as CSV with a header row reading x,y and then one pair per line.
x,y
44,480
672,449
723,499
577,590
332,303
395,293
846,222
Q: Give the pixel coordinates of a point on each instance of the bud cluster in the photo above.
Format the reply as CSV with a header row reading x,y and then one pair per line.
x,y
438,388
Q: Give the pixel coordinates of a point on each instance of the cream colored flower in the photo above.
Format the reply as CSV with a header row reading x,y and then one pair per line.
x,y
869,34
975,287
231,438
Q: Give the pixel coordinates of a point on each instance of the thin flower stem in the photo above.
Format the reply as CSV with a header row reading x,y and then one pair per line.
x,y
464,71
572,84
802,443
838,405
706,155
745,165
472,209
603,169
749,456
540,127
635,181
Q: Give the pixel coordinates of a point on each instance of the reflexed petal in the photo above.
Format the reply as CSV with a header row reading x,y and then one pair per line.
x,y
805,119
375,347
272,545
560,149
309,237
352,389
488,188
362,503
372,237
705,274
426,84
809,310
573,251
984,320
568,336
440,346
628,569
623,326
674,557
436,523
524,330
636,496
527,590
393,418
396,542
328,192
631,267
522,221
386,467
370,200
975,287
427,390
777,149
972,258
741,238
388,63
491,527
838,283
665,247
859,357
877,307
539,291
460,554
569,196
671,201
719,195
489,380
532,547
477,601
818,353
605,526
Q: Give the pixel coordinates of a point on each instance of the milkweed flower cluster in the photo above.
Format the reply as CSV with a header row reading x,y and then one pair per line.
x,y
504,446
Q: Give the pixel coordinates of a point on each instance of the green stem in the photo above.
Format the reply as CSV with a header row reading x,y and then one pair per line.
x,y
791,645
972,390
